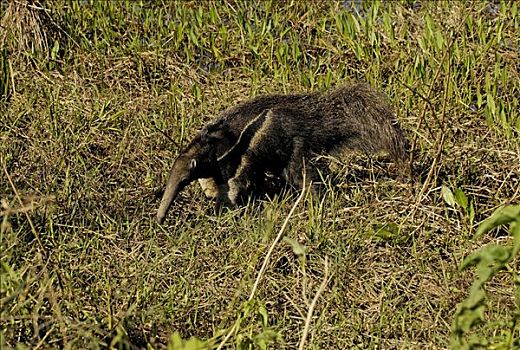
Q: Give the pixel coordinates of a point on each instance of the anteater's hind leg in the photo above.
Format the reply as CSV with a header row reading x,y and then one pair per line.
x,y
299,168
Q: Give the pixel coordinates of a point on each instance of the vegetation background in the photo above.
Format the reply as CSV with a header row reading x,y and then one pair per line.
x,y
96,99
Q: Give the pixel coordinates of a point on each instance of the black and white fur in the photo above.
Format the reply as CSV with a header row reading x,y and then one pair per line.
x,y
276,134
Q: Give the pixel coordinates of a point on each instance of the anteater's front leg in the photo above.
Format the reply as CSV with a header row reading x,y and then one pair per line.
x,y
248,176
248,156
222,188
216,188
210,187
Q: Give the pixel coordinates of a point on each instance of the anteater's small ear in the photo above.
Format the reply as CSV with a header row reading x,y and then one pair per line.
x,y
193,164
213,134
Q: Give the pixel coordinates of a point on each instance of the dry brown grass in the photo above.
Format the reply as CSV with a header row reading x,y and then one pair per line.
x,y
82,139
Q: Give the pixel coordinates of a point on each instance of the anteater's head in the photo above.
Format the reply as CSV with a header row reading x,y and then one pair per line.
x,y
198,160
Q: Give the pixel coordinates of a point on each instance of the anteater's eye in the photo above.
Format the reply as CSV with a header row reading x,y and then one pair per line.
x,y
193,164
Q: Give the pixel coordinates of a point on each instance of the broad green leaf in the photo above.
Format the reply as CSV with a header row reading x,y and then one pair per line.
x,y
439,39
386,231
263,313
491,104
298,249
475,298
487,255
447,195
471,213
461,199
177,343
470,317
194,344
501,216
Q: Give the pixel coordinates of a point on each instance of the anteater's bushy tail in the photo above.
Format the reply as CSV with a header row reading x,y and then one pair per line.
x,y
368,120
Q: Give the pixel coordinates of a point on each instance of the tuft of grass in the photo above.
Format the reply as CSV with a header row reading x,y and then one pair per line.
x,y
97,98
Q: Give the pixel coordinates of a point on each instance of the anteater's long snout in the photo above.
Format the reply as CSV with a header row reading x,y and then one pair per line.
x,y
173,187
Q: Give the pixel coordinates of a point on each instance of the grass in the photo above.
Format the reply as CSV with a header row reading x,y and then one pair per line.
x,y
97,98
